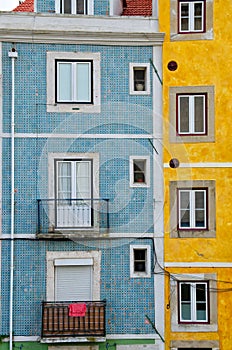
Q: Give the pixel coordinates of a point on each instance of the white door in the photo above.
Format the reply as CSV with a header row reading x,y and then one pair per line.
x,y
73,194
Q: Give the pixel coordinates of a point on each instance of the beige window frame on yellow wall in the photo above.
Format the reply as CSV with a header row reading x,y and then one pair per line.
x,y
212,325
210,231
208,132
207,34
194,344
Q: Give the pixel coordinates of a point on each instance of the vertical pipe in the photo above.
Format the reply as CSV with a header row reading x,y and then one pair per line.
x,y
13,55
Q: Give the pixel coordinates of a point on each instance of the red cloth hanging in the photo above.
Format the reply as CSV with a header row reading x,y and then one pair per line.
x,y
77,310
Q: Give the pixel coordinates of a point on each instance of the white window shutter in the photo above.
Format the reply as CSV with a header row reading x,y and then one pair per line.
x,y
73,283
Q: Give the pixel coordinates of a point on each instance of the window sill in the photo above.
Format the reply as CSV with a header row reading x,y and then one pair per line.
x,y
73,108
84,233
193,233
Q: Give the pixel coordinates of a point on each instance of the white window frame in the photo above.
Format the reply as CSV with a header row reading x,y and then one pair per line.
x,y
89,7
191,17
94,157
73,107
70,258
191,114
73,82
193,302
192,209
146,159
175,232
147,272
146,67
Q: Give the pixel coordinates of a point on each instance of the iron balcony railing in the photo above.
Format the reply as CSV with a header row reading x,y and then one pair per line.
x,y
72,214
56,321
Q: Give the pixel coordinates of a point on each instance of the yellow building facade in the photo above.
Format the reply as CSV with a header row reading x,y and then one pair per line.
x,y
197,110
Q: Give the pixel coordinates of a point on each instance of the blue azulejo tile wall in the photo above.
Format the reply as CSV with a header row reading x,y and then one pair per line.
x,y
120,111
128,299
130,209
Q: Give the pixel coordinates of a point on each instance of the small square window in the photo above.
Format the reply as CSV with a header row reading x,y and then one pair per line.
x,y
139,172
139,79
192,114
193,302
191,16
140,264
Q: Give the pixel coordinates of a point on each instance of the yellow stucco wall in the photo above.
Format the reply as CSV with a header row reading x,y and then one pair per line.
x,y
202,62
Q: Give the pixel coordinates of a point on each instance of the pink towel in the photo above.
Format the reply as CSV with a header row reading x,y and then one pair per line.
x,y
77,310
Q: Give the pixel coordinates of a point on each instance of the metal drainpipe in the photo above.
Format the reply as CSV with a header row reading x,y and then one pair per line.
x,y
13,55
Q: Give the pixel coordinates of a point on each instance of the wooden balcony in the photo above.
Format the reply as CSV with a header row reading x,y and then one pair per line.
x,y
56,322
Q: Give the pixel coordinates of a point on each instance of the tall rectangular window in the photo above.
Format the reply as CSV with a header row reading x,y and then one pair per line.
x,y
193,302
74,81
73,6
192,208
191,16
74,193
191,114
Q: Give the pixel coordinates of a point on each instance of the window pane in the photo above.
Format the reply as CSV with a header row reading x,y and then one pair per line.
x,y
198,9
184,17
64,180
200,209
200,219
67,6
200,199
140,260
139,170
183,114
185,218
198,16
201,312
184,200
139,79
199,114
64,82
200,292
83,82
83,180
184,10
184,24
198,24
185,292
80,8
186,311
184,209
139,254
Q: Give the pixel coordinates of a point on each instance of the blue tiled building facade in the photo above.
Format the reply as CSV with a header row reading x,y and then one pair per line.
x,y
86,173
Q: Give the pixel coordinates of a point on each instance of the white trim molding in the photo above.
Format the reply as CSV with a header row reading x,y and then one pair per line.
x,y
199,264
203,165
70,29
